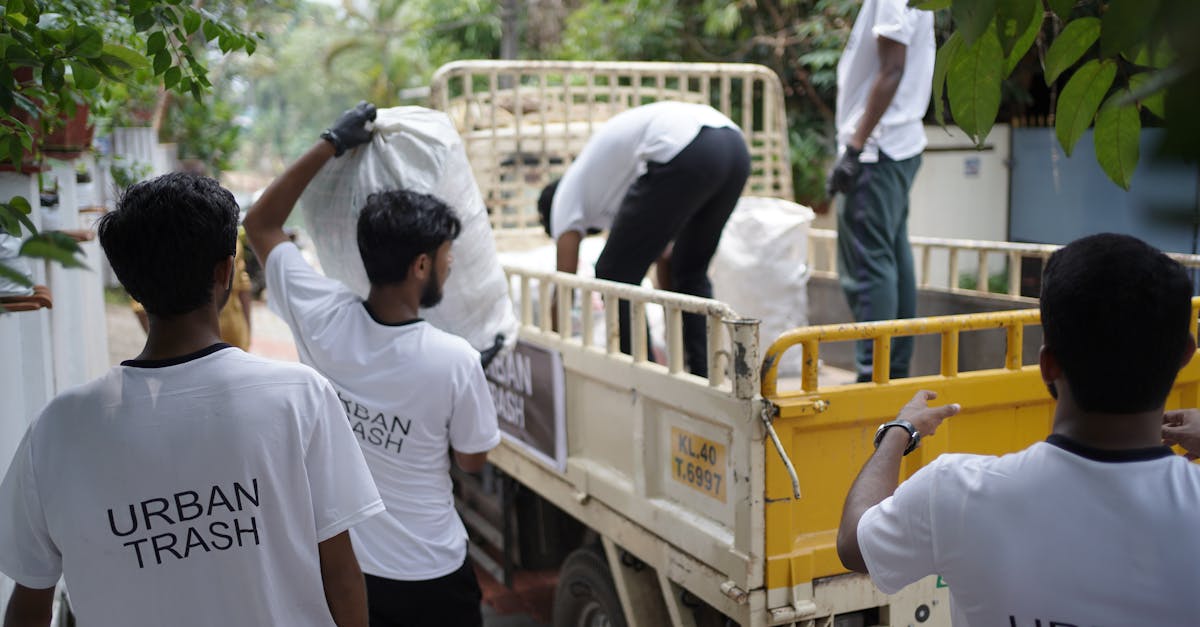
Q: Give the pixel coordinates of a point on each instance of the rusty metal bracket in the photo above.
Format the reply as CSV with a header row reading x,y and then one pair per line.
x,y
769,412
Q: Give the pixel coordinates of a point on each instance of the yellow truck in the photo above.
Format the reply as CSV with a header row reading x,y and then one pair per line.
x,y
664,498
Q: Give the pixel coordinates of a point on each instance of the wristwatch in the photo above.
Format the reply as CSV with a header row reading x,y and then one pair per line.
x,y
914,436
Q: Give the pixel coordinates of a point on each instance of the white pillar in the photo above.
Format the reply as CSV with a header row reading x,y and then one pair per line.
x,y
26,369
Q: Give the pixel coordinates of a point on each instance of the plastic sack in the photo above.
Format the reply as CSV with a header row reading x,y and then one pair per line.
x,y
761,268
419,149
10,248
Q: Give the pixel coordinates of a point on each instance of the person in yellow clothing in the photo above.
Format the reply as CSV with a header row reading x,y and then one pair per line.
x,y
235,315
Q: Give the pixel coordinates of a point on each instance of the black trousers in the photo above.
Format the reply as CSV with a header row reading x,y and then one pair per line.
x,y
686,201
449,600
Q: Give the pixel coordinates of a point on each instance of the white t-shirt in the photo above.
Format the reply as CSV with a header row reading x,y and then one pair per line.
x,y
193,493
1068,536
899,132
411,393
591,191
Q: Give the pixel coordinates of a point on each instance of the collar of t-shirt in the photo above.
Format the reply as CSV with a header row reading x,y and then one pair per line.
x,y
175,361
367,307
1108,456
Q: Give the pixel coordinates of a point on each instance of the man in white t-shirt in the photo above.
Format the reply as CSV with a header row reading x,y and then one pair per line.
x,y
884,83
195,484
1094,526
660,177
413,394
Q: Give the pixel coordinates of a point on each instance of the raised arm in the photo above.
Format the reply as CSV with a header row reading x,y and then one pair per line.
x,y
264,222
881,474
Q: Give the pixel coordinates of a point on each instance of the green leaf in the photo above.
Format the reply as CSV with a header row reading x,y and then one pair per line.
x,y
139,6
86,42
54,246
191,20
929,5
1155,100
143,21
120,58
251,46
53,75
226,42
155,42
972,17
16,277
1062,8
1079,100
17,210
1155,54
1069,46
973,83
171,77
162,61
211,30
1117,137
85,77
941,65
1026,40
1126,24
1013,18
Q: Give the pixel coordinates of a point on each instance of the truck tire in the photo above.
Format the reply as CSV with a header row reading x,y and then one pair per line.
x,y
585,596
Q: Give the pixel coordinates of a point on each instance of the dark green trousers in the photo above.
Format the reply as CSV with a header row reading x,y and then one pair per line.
x,y
875,262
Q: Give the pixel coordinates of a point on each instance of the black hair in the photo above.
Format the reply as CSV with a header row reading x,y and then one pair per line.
x,y
1115,314
166,236
545,202
395,227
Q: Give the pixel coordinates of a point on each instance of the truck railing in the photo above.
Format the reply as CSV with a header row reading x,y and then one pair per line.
x,y
523,122
1007,257
538,292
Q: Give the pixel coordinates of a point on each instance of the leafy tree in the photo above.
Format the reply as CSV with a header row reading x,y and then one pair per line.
x,y
57,53
1111,63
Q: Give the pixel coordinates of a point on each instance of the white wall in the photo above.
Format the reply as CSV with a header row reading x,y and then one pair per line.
x,y
959,192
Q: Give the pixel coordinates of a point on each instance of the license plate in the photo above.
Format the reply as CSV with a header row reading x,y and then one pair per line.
x,y
698,463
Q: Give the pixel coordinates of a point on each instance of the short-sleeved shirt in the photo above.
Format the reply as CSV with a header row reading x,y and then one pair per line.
x,y
591,191
1059,533
191,491
411,392
900,133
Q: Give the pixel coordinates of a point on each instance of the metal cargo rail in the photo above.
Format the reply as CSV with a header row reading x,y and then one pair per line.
x,y
523,122
930,253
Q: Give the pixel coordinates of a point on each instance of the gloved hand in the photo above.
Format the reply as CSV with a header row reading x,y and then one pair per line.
x,y
350,129
844,173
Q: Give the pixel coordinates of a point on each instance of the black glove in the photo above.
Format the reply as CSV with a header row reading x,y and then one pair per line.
x,y
350,130
489,354
845,172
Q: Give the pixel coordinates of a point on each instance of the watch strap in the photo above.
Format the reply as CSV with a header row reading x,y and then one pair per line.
x,y
914,436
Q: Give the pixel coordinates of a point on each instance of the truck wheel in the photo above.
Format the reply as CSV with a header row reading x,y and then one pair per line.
x,y
585,596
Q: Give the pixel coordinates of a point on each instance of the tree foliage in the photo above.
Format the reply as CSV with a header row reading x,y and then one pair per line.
x,y
55,54
1111,63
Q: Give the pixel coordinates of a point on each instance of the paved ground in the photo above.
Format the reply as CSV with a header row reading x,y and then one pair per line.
x,y
527,605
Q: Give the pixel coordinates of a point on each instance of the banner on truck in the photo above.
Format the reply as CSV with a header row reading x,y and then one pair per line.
x,y
527,386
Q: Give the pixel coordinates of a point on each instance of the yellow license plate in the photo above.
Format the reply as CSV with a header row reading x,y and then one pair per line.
x,y
698,463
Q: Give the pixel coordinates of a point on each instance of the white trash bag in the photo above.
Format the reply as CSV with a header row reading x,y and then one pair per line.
x,y
761,268
418,149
